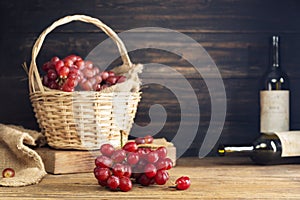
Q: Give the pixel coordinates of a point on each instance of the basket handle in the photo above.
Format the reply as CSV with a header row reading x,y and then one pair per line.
x,y
34,76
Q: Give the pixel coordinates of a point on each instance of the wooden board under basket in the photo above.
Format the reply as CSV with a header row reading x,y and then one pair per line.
x,y
77,161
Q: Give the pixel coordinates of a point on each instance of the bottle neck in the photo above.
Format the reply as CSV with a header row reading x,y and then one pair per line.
x,y
275,59
236,150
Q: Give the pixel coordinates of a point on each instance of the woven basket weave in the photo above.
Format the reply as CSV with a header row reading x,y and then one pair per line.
x,y
82,119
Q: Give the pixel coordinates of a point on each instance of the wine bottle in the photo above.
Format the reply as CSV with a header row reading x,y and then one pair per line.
x,y
274,94
268,149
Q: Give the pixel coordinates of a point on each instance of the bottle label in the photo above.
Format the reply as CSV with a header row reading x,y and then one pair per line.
x,y
290,143
274,111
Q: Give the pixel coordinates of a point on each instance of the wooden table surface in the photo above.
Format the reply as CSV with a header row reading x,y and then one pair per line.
x,y
212,178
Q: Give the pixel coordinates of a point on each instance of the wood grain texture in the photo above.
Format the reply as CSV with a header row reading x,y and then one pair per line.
x,y
75,161
211,178
235,33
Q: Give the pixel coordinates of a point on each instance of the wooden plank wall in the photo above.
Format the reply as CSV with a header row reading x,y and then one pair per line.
x,y
235,33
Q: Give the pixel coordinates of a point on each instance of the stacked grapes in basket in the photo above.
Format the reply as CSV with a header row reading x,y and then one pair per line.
x,y
78,106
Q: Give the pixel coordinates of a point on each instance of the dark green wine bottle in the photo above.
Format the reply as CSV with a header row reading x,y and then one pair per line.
x,y
268,149
274,94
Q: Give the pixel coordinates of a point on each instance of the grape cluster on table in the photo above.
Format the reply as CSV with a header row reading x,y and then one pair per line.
x,y
73,72
118,169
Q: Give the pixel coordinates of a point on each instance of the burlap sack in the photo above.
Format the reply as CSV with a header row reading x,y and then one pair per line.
x,y
16,153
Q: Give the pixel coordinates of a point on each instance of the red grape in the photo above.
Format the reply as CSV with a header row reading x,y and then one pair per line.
x,y
8,173
148,139
152,157
111,73
103,161
88,64
118,169
125,184
107,149
118,155
54,59
80,64
88,73
128,170
73,58
162,152
113,182
133,158
130,147
64,72
68,62
58,65
140,140
164,163
183,183
111,79
161,177
144,180
150,170
104,75
101,173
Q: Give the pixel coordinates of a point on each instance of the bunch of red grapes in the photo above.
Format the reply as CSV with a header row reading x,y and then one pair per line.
x,y
118,169
73,72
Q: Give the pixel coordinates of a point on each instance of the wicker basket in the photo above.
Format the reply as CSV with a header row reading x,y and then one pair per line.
x,y
82,119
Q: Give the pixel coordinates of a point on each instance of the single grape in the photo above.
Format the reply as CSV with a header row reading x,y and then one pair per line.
x,y
104,75
80,64
58,65
125,184
103,161
113,182
88,64
111,79
150,170
111,73
144,180
130,147
140,140
118,155
183,183
164,163
161,177
64,72
68,62
54,59
107,149
8,173
152,157
148,139
88,73
162,152
119,169
72,57
133,158
101,173
128,170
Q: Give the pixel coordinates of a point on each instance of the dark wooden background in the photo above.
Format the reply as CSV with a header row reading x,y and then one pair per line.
x,y
235,33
